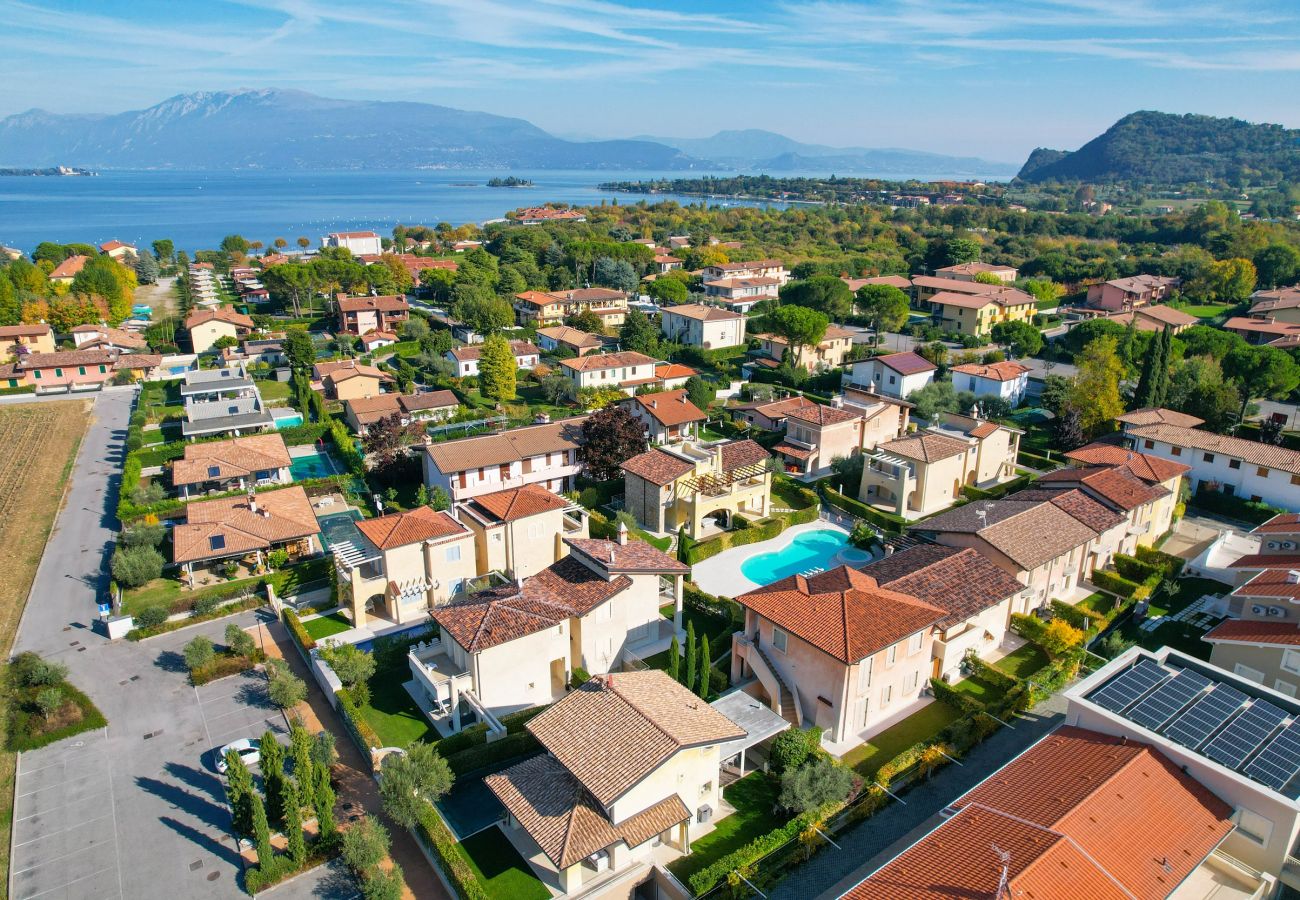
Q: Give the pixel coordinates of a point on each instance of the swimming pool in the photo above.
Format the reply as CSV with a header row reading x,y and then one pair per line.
x,y
286,419
318,464
812,550
368,645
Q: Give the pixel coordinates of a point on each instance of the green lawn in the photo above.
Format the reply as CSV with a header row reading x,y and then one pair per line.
x,y
1098,602
1206,310
270,389
502,872
322,627
708,434
1023,662
168,592
754,797
718,631
392,712
978,689
919,726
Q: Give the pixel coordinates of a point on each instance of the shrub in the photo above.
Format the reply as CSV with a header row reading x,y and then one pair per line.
x,y
365,844
199,653
239,642
1080,618
579,676
1060,637
705,879
277,559
150,617
1115,584
958,699
142,534
206,604
451,858
815,783
352,665
296,629
887,522
1236,507
409,780
135,566
29,670
49,700
510,746
1112,645
284,688
1171,565
789,750
1135,569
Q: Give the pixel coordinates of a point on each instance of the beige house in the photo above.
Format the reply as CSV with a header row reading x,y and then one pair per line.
x,y
707,327
243,530
362,315
625,371
968,271
632,760
251,461
1153,470
207,326
543,309
817,435
465,359
515,646
829,354
1277,305
66,272
521,531
544,454
1125,294
697,486
347,379
668,416
562,337
976,314
759,268
16,339
835,650
428,406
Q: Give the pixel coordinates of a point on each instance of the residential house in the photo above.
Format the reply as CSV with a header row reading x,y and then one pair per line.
x,y
893,375
64,273
544,309
64,371
817,435
1156,318
674,375
222,401
361,315
1148,506
927,286
668,416
968,271
706,327
545,454
1238,467
536,215
402,565
902,282
360,243
240,463
835,650
102,337
829,354
759,268
977,313
1285,335
520,531
696,485
1278,305
977,595
1007,380
375,340
118,250
244,529
1127,294
207,326
347,379
921,473
1050,821
151,366
515,646
666,262
626,371
268,349
562,337
770,415
1153,415
884,418
632,761
427,406
1153,470
16,340
742,294
466,358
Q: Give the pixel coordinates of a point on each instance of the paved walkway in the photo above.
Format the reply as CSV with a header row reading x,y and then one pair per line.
x,y
872,843
357,789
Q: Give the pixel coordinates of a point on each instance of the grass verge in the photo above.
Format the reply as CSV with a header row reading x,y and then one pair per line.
x,y
919,726
754,798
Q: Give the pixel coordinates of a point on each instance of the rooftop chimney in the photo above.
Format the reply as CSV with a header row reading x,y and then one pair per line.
x,y
252,501
1293,576
622,537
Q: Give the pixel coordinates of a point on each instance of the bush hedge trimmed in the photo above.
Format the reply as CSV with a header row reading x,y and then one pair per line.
x,y
1171,565
887,522
451,858
484,755
253,601
1115,584
1234,507
1134,569
357,726
953,697
293,623
1083,619
712,874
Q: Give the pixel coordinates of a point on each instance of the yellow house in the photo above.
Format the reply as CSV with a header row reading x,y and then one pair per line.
x,y
207,326
347,379
977,313
698,486
829,354
521,531
35,338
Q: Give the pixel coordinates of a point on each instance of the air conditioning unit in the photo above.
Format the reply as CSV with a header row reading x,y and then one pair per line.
x,y
1293,576
1277,611
1258,610
704,814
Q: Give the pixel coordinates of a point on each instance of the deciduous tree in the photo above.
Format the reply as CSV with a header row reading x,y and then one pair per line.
x,y
497,369
609,437
1096,387
885,307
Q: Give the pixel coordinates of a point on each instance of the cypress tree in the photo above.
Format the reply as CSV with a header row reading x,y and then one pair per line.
x,y
675,660
1161,392
323,802
240,793
692,652
304,772
262,833
1144,395
292,829
272,763
706,666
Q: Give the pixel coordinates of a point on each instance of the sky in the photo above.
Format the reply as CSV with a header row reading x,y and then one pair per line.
x,y
990,78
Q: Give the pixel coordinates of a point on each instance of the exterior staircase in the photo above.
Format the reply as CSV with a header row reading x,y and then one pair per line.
x,y
785,703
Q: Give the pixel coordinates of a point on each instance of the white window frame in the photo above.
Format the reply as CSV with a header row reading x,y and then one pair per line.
x,y
1284,687
452,554
1254,827
1291,661
1248,673
780,640
891,655
915,642
864,673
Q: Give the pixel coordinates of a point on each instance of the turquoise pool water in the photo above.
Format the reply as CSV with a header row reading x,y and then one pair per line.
x,y
319,465
287,421
339,527
810,550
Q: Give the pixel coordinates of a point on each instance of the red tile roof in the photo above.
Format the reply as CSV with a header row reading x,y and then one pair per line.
x,y
926,446
1256,453
1248,631
1001,371
1267,561
1272,584
1283,523
596,361
819,414
400,529
70,267
668,408
1149,415
518,503
957,579
387,303
220,314
1151,469
673,370
907,363
634,556
657,466
230,526
742,453
702,312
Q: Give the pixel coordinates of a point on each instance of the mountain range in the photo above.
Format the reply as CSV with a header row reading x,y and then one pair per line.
x,y
1163,148
282,129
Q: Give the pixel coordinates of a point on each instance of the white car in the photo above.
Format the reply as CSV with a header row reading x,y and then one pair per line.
x,y
249,750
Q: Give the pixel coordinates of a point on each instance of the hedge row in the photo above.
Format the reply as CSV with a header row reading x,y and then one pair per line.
x,y
763,530
303,434
1134,569
21,389
761,846
1235,507
230,609
365,736
476,735
451,858
719,607
1034,461
293,623
993,493
1080,618
887,522
510,746
960,700
985,671
1171,565
1115,584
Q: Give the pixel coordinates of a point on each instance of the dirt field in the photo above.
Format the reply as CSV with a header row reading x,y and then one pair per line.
x,y
39,442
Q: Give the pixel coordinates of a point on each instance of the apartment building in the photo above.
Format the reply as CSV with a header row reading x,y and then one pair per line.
x,y
759,268
893,374
544,309
742,294
706,327
466,358
976,314
625,371
697,486
360,243
361,315
545,454
1127,294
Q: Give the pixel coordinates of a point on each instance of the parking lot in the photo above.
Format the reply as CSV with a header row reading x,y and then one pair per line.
x,y
236,707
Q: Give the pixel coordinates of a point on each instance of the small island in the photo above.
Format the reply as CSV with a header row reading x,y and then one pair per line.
x,y
509,181
52,171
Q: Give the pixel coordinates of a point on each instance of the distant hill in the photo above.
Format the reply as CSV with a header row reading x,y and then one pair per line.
x,y
1162,148
274,129
756,150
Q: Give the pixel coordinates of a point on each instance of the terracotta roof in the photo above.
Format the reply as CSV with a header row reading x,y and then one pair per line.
x,y
906,363
1001,371
15,331
926,446
736,454
413,527
563,818
1272,583
1005,296
233,458
1067,810
843,612
352,234
1154,318
67,358
1085,509
514,445
702,313
983,430
538,298
497,616
1116,484
574,337
1150,415
1028,532
901,282
595,361
787,449
1283,523
114,245
753,281
1249,631
674,370
220,314
475,351
1136,284
668,408
343,369
368,410
428,400
634,556
657,466
955,579
818,414
1151,469
742,266
228,526
374,337
955,285
588,295
386,303
779,409
1258,454
1267,561
518,503
128,361
617,729
974,268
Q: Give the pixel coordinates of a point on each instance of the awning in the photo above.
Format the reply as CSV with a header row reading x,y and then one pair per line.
x,y
792,451
758,719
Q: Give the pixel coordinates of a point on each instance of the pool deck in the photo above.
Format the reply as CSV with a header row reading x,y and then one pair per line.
x,y
721,574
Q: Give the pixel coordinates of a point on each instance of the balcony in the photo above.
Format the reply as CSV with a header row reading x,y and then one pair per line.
x,y
442,679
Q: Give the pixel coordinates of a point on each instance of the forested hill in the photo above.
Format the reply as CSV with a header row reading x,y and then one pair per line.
x,y
1162,148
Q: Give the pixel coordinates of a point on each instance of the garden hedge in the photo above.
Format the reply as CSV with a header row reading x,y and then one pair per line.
x,y
1084,620
251,602
1115,584
365,736
1235,507
1134,569
517,744
761,846
953,697
1171,565
451,858
293,623
887,522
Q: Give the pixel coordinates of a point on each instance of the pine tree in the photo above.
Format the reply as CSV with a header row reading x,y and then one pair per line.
x,y
261,833
292,830
240,792
675,660
323,802
272,763
706,667
692,652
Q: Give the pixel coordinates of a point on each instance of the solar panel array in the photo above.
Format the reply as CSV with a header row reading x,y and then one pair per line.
x,y
1250,735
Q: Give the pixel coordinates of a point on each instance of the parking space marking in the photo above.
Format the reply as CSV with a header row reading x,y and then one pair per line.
x,y
61,830
69,884
64,783
49,859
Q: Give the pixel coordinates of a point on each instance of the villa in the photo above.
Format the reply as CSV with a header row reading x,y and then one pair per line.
x,y
741,295
1127,294
626,371
362,315
222,401
18,339
545,454
232,465
516,646
347,379
562,337
893,375
707,327
543,309
830,353
760,268
521,531
968,271
668,416
976,314
103,337
1158,318
817,435
697,486
427,406
465,359
207,326
244,529
66,272
902,282
630,758
836,650
1007,380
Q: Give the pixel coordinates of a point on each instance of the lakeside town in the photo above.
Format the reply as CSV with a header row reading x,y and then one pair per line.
x,y
896,547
